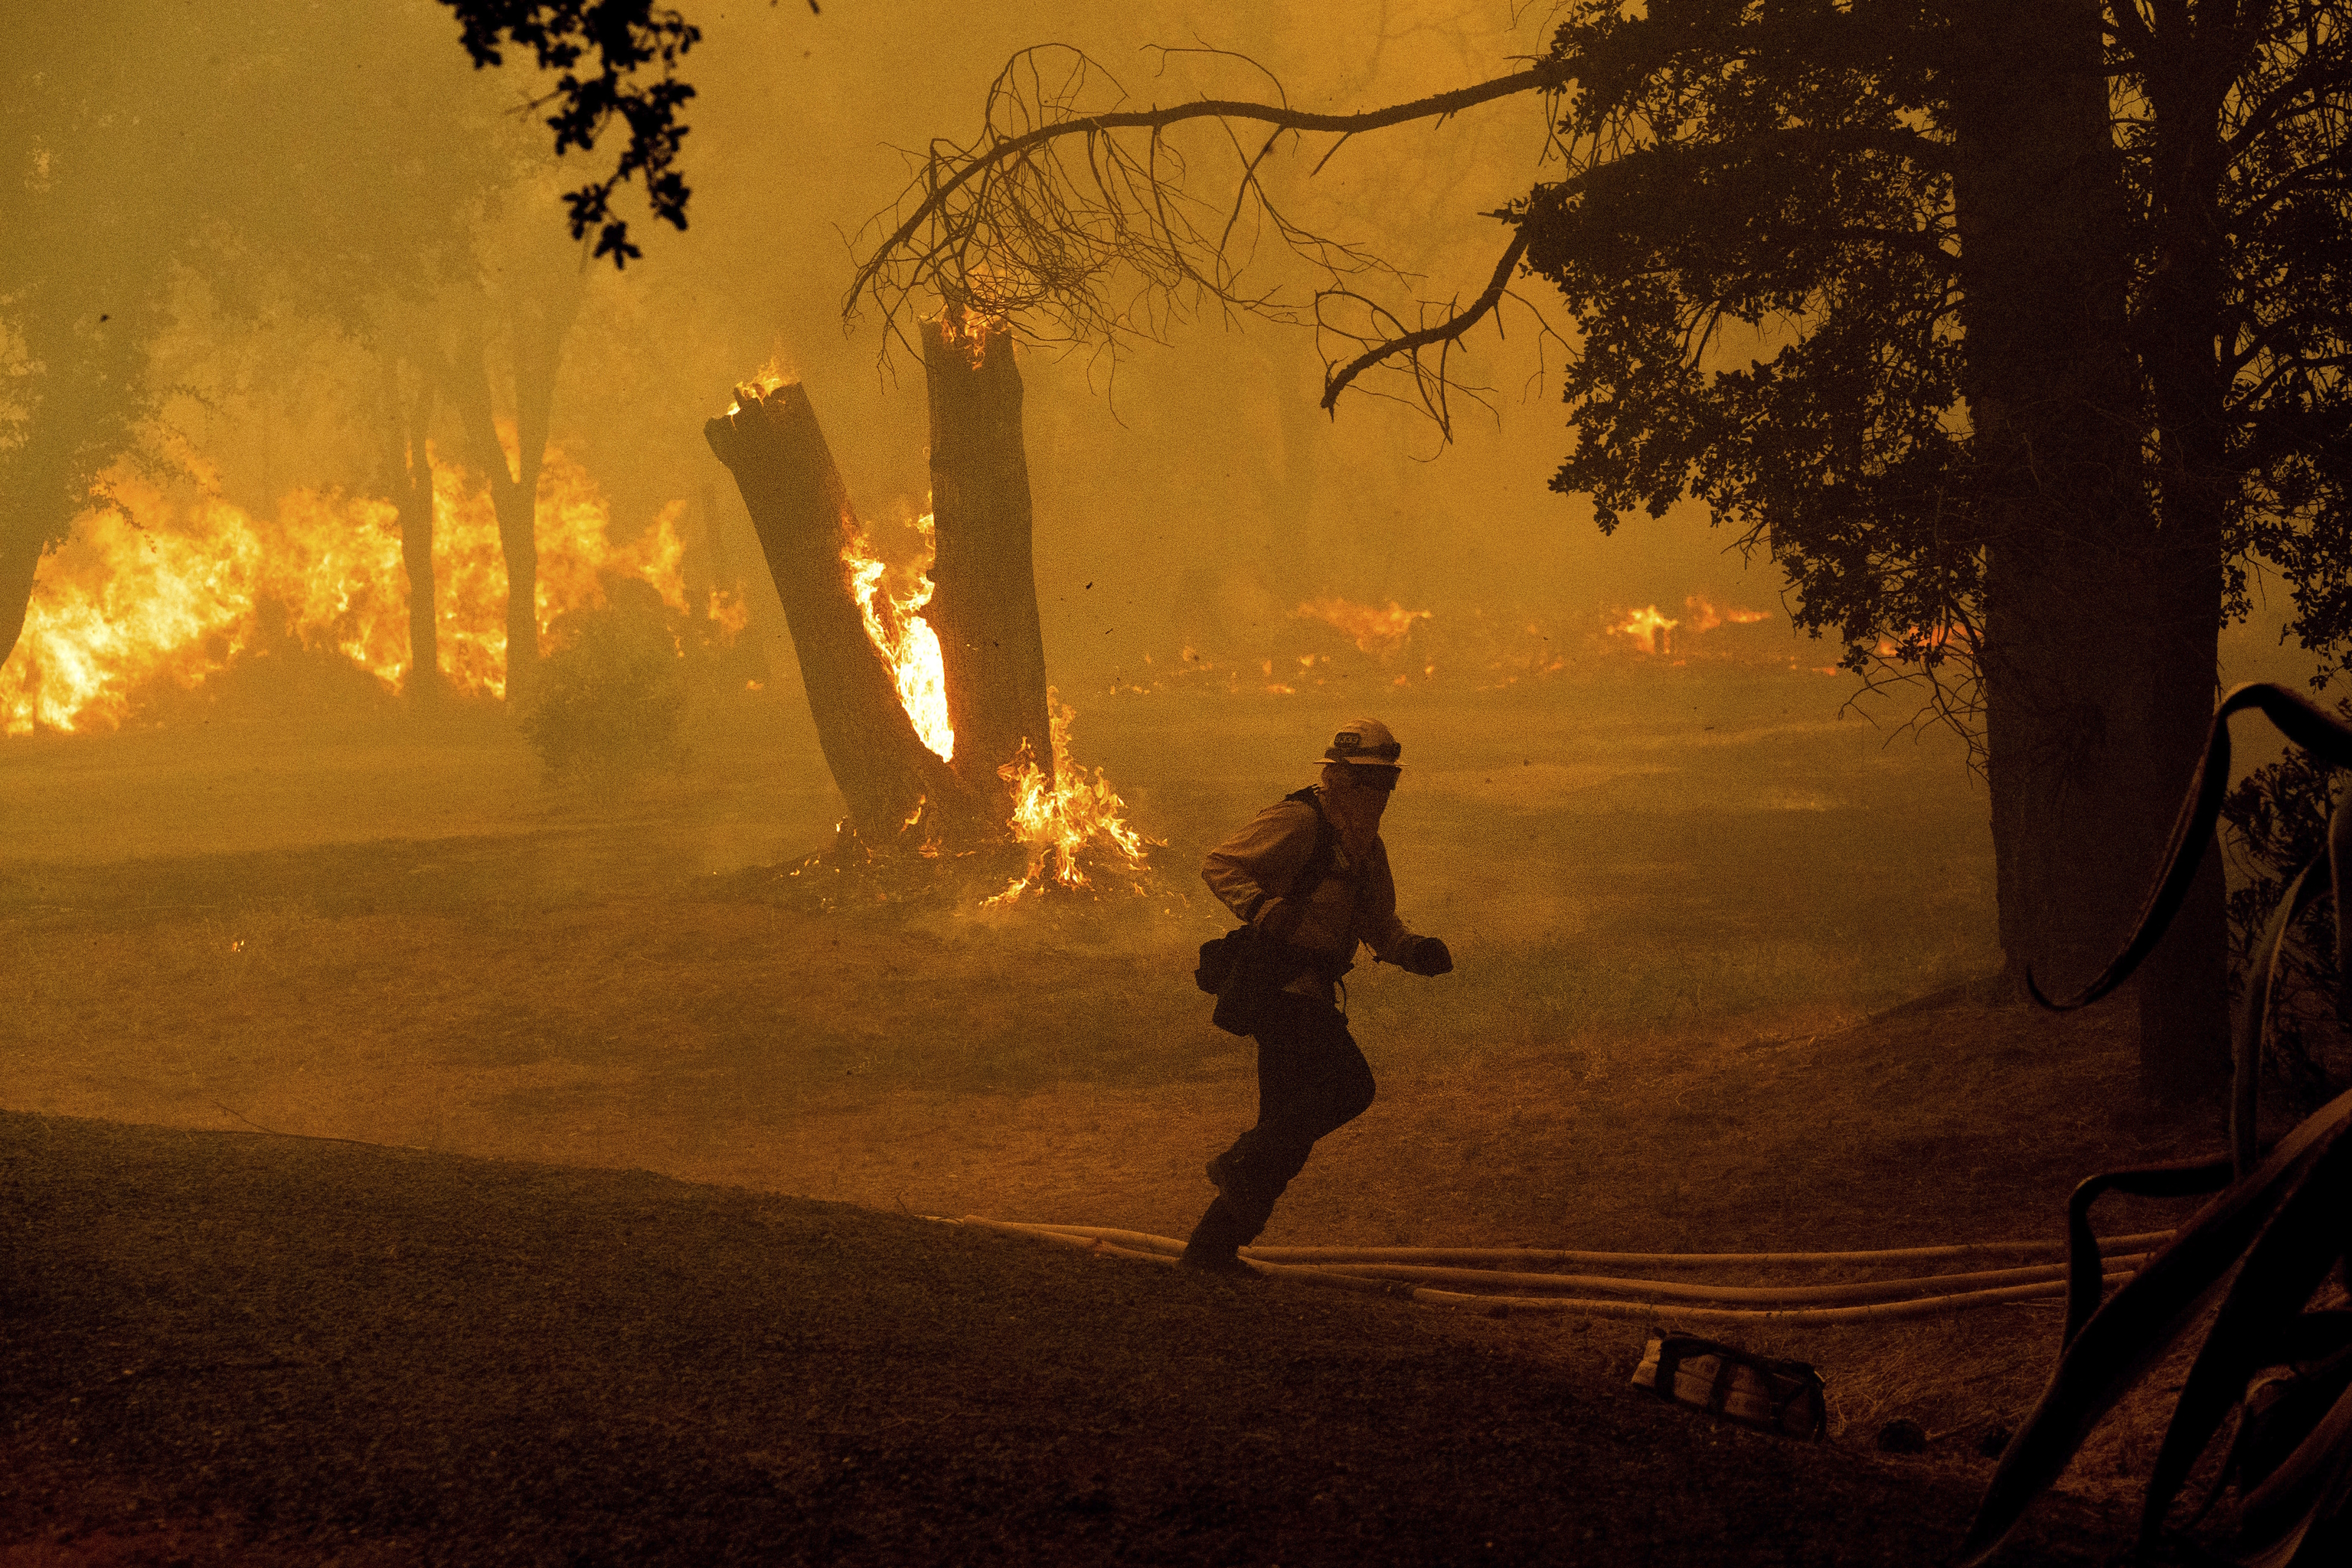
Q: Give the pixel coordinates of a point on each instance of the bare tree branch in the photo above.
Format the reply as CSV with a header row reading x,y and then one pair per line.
x,y
1447,331
1101,224
1547,77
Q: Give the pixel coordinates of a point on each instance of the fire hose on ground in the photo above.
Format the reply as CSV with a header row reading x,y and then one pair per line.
x,y
1515,1280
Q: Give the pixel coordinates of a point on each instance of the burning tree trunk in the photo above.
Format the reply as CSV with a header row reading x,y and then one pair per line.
x,y
984,604
801,509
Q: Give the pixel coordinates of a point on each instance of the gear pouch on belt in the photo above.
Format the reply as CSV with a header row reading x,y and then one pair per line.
x,y
1227,973
1220,956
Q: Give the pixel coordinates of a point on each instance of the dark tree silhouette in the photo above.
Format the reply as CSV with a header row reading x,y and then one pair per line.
x,y
626,35
2000,325
2056,374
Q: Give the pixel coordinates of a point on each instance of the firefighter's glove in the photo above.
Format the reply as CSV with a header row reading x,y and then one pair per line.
x,y
1424,955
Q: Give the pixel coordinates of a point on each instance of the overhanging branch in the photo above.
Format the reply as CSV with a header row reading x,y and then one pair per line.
x,y
1007,152
1447,331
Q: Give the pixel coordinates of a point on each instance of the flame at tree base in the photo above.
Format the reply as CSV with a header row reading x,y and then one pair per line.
x,y
1069,836
1056,823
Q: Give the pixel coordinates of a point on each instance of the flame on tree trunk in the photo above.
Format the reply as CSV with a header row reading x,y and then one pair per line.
x,y
890,780
984,601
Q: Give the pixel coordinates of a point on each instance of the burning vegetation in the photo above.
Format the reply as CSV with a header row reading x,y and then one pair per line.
x,y
895,625
169,587
927,679
1651,631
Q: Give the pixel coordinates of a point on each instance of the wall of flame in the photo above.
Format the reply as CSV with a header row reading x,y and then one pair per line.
x,y
169,584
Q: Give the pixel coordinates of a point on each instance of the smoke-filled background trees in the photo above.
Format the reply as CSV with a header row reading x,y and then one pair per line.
x,y
282,252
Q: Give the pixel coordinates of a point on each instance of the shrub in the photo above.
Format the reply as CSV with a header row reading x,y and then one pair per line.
x,y
2277,823
611,692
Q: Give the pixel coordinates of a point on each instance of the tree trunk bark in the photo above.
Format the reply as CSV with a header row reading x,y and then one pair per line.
x,y
411,474
515,499
536,332
2184,992
20,562
801,509
2085,650
984,599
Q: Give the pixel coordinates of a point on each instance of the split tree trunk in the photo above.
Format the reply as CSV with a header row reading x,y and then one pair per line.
x,y
410,478
984,600
514,496
801,509
536,327
2091,709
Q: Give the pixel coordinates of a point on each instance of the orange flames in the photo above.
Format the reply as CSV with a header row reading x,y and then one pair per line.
x,y
905,640
1707,616
1057,821
162,587
1649,627
971,327
1054,821
777,372
1372,631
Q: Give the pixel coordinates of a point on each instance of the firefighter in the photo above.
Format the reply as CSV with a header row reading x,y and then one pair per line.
x,y
1310,877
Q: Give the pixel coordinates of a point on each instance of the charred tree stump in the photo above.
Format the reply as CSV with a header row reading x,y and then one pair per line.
x,y
984,600
800,510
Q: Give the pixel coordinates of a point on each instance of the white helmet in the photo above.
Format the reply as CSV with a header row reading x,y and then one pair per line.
x,y
1365,742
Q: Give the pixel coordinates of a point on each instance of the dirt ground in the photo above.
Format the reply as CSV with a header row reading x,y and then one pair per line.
x,y
236,1348
1717,992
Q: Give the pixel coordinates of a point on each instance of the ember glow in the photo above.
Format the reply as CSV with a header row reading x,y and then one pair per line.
x,y
905,640
1917,641
1373,631
1059,820
164,587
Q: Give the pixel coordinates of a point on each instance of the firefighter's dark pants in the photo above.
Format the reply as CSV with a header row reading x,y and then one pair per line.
x,y
1311,1079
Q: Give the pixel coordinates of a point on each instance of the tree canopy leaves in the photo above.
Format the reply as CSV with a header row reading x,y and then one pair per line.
x,y
624,35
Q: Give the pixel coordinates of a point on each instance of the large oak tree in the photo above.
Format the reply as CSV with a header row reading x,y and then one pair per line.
x,y
2003,326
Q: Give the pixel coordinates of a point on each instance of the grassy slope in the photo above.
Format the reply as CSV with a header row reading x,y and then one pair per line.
x,y
224,1348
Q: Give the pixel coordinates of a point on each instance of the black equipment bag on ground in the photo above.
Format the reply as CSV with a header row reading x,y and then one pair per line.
x,y
1771,1395
1242,966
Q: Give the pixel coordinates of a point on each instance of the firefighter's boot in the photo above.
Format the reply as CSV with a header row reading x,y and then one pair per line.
x,y
1215,1246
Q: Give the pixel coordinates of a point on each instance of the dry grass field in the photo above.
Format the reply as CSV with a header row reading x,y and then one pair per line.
x,y
1717,951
